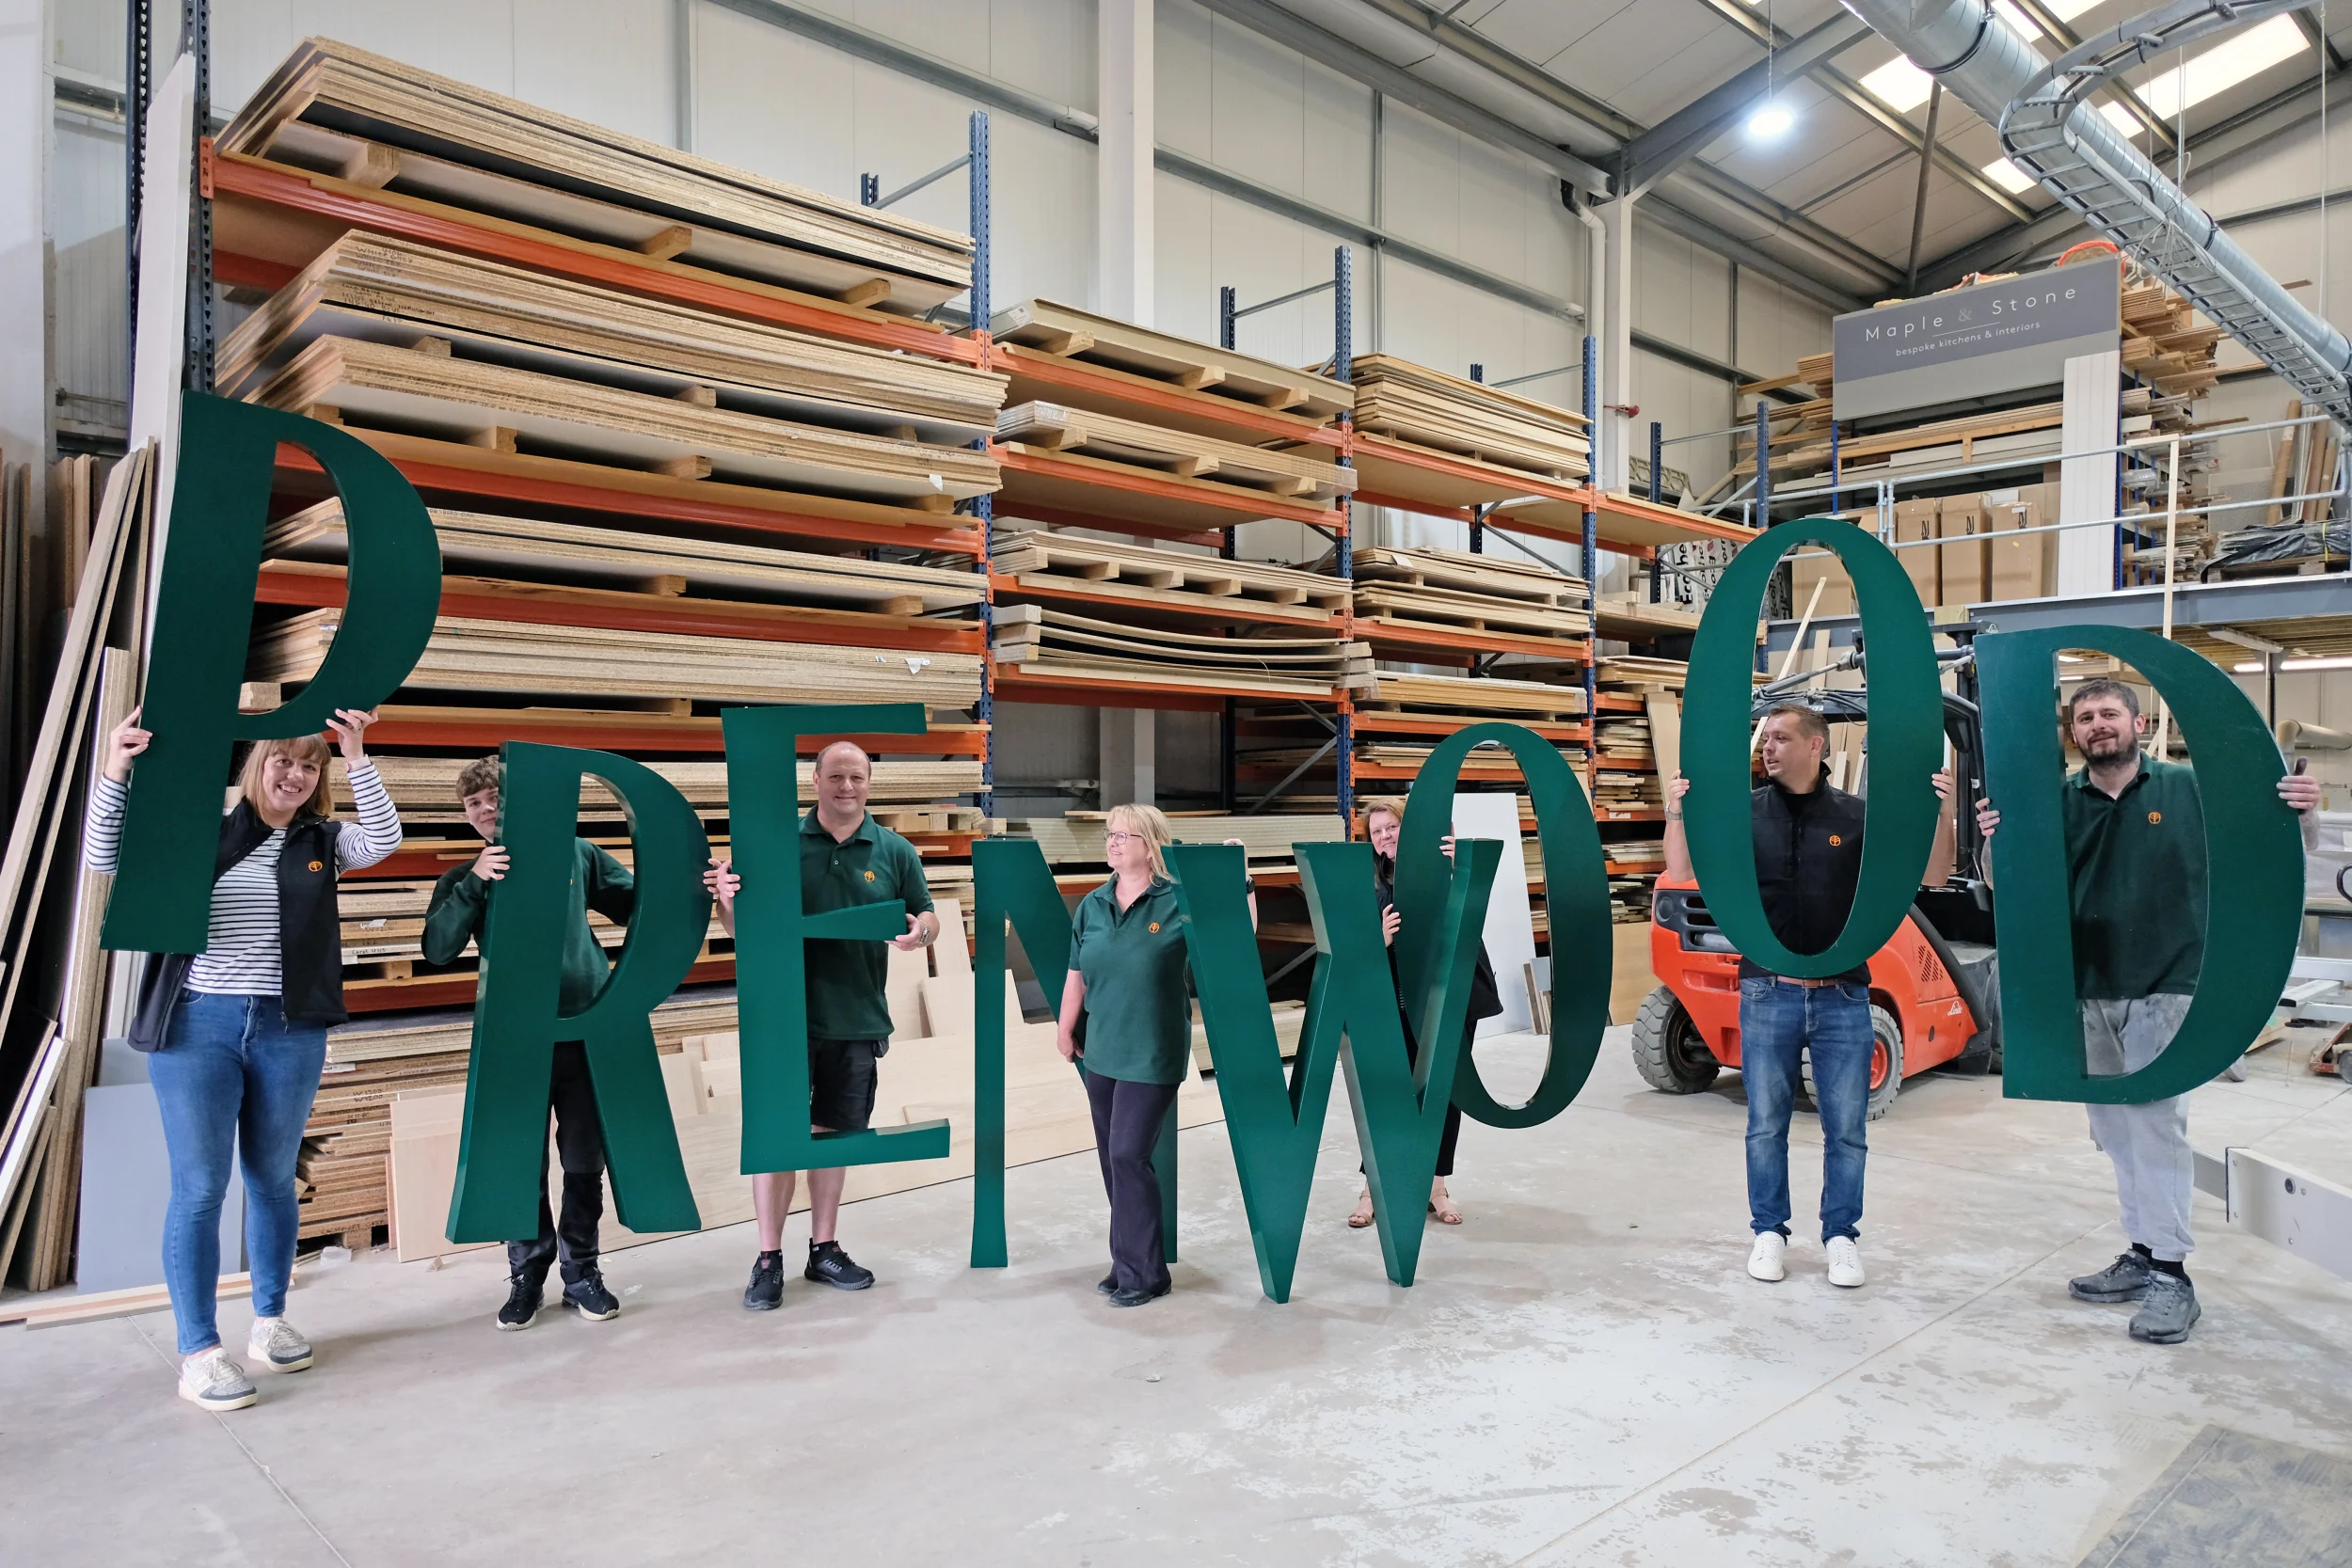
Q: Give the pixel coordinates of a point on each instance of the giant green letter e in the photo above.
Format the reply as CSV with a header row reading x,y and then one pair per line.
x,y
211,566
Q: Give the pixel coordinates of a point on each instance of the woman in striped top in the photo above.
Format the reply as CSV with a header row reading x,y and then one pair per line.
x,y
238,1032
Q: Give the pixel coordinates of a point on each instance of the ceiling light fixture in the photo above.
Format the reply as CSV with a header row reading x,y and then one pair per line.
x,y
1770,123
2339,662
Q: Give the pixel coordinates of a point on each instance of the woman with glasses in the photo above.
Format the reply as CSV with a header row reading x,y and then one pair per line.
x,y
1384,823
1126,1018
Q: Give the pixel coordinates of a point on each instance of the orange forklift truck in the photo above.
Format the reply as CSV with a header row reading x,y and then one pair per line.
x,y
1934,988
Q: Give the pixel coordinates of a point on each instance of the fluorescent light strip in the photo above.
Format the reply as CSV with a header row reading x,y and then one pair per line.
x,y
2254,666
2216,71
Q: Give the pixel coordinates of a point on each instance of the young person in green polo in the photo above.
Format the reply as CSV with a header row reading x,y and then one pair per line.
x,y
457,915
847,859
1127,1017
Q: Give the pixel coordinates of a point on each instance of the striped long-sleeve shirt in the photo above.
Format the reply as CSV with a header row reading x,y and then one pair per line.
x,y
241,949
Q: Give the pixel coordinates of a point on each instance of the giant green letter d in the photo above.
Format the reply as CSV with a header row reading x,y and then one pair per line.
x,y
2254,891
212,564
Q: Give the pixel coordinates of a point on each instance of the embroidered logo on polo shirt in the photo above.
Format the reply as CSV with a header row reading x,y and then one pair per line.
x,y
2155,817
318,866
1153,927
1835,841
869,876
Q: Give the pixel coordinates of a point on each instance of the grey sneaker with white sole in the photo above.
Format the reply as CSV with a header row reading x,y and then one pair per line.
x,y
278,1346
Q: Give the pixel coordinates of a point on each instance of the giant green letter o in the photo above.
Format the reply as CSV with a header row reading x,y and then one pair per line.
x,y
1906,745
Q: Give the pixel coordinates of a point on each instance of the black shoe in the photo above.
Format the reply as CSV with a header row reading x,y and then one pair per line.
x,y
767,1287
829,1265
2125,1279
1108,1283
523,1297
587,1296
1137,1298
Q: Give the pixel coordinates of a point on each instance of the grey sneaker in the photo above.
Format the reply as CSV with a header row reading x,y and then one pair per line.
x,y
277,1345
2167,1312
2125,1279
211,1379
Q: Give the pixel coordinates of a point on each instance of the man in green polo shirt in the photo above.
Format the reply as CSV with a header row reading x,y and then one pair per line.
x,y
846,858
2137,868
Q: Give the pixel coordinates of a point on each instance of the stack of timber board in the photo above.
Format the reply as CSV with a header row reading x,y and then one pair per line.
x,y
1404,590
1049,428
375,121
1625,769
1076,839
396,291
1050,643
612,625
1634,865
1067,332
430,392
1052,565
1470,699
1430,408
1636,675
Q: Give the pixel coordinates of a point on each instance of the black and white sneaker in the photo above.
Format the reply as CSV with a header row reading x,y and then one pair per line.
x,y
829,1265
767,1287
523,1299
587,1296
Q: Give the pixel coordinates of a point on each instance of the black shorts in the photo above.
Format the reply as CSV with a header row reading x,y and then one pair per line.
x,y
841,1083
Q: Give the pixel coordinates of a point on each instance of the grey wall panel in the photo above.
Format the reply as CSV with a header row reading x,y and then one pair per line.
x,y
85,234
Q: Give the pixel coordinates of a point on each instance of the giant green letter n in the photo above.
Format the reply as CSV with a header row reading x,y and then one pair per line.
x,y
211,566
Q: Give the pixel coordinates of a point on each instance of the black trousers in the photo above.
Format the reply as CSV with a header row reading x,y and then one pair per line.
x,y
1453,1134
1127,1120
579,1148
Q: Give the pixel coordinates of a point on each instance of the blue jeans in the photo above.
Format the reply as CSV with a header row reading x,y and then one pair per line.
x,y
1778,1020
231,1073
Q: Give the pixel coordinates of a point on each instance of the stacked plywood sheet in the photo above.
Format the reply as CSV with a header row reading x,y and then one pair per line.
x,y
1625,769
1050,427
435,393
1076,839
1052,643
1471,698
1066,564
1067,331
1456,591
425,788
595,661
1638,676
388,290
1430,408
375,121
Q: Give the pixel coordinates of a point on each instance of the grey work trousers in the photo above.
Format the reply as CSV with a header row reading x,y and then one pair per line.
x,y
2154,1170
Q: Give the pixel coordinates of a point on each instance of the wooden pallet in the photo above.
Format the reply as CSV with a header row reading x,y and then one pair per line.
x,y
332,106
348,381
1052,427
425,787
1430,408
1046,561
389,291
1462,572
1032,635
537,549
520,657
1482,695
1072,333
1438,607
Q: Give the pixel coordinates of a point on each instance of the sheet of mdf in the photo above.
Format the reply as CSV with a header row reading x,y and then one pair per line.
x,y
397,292
329,88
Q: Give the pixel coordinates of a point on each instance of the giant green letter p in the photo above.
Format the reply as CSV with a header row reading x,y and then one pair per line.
x,y
211,566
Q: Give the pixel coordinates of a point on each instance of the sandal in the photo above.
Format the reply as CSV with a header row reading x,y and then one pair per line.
x,y
1446,1215
1362,1219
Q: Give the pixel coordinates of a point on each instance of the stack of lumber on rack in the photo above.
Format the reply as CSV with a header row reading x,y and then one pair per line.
x,y
1637,676
1408,589
1072,333
425,788
376,122
594,661
1625,769
1051,428
1051,565
538,550
1430,408
52,972
1471,698
1634,865
374,288
432,392
2164,345
1076,839
1054,644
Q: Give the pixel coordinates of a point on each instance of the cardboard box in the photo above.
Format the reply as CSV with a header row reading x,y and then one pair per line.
x,y
1805,570
1962,567
2019,567
1917,521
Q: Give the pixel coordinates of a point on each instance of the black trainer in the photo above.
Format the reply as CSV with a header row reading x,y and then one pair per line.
x,y
829,1265
767,1287
523,1298
1108,1283
1137,1298
587,1296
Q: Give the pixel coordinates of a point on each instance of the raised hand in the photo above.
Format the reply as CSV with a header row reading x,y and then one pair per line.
x,y
350,724
124,742
490,865
1987,819
723,884
1390,922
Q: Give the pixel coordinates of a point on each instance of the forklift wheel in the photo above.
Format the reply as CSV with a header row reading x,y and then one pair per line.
x,y
1667,1048
1887,1065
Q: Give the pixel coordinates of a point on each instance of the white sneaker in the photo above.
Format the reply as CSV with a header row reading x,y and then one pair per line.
x,y
1845,1263
1768,1258
277,1345
210,1379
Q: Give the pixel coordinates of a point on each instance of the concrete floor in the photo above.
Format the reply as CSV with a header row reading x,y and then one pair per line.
x,y
1584,1375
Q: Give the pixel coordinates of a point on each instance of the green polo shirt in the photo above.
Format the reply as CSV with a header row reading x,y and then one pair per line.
x,y
461,900
1138,1019
847,980
2136,867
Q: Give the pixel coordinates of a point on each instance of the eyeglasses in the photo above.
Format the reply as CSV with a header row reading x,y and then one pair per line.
x,y
1117,837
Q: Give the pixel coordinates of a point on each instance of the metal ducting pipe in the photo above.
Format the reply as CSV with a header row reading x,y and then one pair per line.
x,y
1989,66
